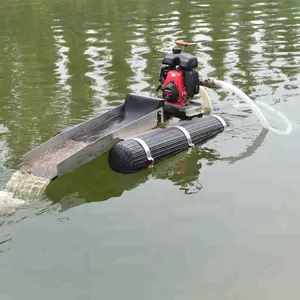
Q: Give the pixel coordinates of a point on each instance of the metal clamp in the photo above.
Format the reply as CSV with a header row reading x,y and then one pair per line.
x,y
221,120
161,116
187,135
146,148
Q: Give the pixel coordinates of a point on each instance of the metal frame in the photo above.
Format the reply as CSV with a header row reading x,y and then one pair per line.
x,y
71,133
104,144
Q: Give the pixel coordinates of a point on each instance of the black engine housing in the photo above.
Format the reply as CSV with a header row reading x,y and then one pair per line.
x,y
191,82
185,61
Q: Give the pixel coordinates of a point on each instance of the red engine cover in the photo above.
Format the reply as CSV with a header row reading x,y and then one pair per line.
x,y
178,80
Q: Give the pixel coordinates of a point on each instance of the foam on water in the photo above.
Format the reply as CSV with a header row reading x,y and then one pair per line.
x,y
9,204
24,186
6,199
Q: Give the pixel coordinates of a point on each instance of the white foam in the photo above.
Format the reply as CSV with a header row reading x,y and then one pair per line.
x,y
25,186
9,204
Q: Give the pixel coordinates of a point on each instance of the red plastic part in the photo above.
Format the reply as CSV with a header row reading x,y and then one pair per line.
x,y
178,79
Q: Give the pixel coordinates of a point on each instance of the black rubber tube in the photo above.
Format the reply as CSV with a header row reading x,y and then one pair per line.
x,y
130,156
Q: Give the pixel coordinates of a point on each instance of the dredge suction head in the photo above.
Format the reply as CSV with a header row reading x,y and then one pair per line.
x,y
135,154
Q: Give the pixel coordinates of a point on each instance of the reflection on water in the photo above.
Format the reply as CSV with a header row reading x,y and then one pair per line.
x,y
250,150
100,183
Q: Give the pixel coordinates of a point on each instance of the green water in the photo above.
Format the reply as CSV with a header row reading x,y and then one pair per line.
x,y
218,222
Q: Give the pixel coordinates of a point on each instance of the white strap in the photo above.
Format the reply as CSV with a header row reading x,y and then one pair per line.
x,y
221,120
187,135
146,148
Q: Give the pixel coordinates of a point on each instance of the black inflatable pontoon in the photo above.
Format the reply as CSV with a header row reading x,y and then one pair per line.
x,y
139,152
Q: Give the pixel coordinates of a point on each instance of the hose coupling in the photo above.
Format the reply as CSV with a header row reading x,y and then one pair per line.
x,y
209,82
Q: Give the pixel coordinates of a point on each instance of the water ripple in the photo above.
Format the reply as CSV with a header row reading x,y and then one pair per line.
x,y
99,55
138,64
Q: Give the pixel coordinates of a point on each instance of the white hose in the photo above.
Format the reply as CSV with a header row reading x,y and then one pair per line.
x,y
289,126
256,110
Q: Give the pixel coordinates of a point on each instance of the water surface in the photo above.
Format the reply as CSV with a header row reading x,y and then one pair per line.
x,y
217,222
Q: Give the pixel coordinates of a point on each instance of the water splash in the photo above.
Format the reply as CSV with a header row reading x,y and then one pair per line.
x,y
24,186
8,202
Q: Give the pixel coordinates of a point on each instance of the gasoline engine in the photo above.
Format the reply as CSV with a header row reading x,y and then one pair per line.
x,y
179,81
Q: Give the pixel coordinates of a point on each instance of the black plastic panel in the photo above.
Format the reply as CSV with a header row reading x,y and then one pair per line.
x,y
185,60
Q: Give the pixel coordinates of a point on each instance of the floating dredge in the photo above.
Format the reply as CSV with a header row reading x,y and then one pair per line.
x,y
135,133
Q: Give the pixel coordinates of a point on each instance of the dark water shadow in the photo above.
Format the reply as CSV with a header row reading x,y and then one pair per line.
x,y
250,150
95,181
